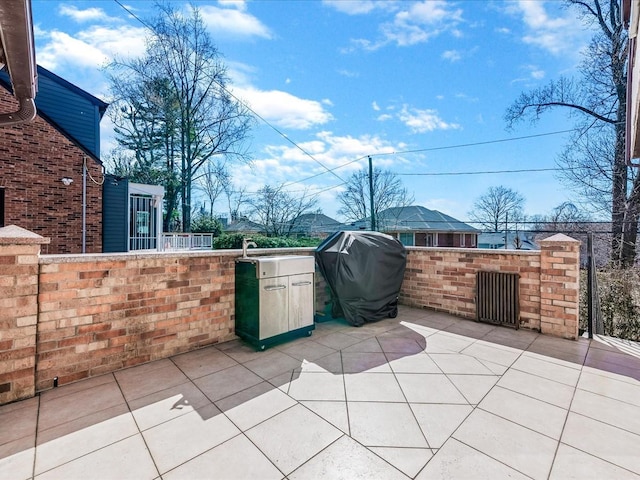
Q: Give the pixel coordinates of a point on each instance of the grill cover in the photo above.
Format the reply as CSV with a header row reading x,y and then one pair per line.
x,y
364,272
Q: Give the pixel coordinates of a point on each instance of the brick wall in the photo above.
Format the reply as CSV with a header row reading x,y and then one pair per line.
x,y
34,157
19,251
102,313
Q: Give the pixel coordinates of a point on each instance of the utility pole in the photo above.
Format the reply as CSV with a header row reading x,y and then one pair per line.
x,y
373,215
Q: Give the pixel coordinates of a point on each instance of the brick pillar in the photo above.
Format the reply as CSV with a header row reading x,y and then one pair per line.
x,y
559,286
19,251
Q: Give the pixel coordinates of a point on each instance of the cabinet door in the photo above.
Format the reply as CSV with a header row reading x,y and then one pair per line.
x,y
274,306
300,300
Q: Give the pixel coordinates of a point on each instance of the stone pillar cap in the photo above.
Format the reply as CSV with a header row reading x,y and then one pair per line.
x,y
560,237
14,235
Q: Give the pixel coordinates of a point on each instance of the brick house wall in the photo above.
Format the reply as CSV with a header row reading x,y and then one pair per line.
x,y
34,158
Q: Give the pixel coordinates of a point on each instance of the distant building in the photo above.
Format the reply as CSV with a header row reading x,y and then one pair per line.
x,y
418,226
315,225
244,225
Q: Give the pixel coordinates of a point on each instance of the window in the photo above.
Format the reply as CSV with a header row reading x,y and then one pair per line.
x,y
406,239
1,207
462,244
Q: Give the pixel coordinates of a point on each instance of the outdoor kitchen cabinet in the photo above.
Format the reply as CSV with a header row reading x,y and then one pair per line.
x,y
274,298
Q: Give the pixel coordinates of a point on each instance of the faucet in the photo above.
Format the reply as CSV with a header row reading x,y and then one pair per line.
x,y
246,243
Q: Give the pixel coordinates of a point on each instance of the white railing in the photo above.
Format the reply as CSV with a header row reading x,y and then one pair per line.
x,y
187,241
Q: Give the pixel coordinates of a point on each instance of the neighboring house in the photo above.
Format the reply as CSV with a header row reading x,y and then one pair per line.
x,y
418,226
631,18
315,225
50,169
514,241
245,226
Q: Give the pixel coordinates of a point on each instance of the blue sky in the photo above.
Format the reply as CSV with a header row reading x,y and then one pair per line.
x,y
346,79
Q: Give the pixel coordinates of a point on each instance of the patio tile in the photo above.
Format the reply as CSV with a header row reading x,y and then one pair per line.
x,y
310,350
143,380
473,387
18,420
603,441
63,409
608,410
331,363
446,343
471,329
611,387
292,437
534,386
241,351
337,340
227,382
415,363
271,364
353,362
405,345
19,462
459,363
333,412
55,449
237,458
429,388
496,354
495,368
203,362
518,447
75,387
519,339
373,387
621,377
408,460
254,405
317,386
370,345
379,424
346,460
438,422
434,320
457,461
539,416
181,439
571,463
133,462
167,404
544,368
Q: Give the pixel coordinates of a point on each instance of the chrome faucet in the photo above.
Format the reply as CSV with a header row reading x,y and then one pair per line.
x,y
246,243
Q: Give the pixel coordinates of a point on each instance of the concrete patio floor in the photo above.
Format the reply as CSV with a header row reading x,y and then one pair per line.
x,y
425,395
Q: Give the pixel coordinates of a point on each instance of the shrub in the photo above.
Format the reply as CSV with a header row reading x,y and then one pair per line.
x,y
234,241
206,224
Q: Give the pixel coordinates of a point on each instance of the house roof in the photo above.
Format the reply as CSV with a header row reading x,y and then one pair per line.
x,y
417,218
310,223
73,111
244,226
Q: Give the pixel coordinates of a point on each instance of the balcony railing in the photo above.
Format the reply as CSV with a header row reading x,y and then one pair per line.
x,y
187,241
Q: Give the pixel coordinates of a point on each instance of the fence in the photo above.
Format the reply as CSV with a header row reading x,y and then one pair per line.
x,y
187,241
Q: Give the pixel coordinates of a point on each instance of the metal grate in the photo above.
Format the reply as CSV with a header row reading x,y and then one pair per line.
x,y
497,298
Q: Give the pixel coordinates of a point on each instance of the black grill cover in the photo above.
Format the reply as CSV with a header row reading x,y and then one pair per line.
x,y
364,272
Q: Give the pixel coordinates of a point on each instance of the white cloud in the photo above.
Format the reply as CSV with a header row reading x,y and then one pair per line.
x,y
421,121
90,48
415,22
384,117
233,20
284,109
451,55
559,33
88,14
354,7
375,106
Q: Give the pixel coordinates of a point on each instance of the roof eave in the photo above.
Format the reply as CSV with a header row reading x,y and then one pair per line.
x,y
17,55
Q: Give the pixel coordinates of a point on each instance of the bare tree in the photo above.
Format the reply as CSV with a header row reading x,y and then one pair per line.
x,y
276,209
189,115
388,192
212,181
594,161
496,208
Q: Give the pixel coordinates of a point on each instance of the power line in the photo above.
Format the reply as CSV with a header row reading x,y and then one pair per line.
x,y
529,170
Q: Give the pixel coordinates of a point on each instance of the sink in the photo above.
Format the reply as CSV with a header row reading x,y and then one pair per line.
x,y
281,265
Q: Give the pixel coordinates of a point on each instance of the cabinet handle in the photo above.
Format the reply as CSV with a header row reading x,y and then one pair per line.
x,y
300,284
275,287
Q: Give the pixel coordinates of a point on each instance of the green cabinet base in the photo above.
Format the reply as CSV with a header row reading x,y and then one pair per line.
x,y
264,343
